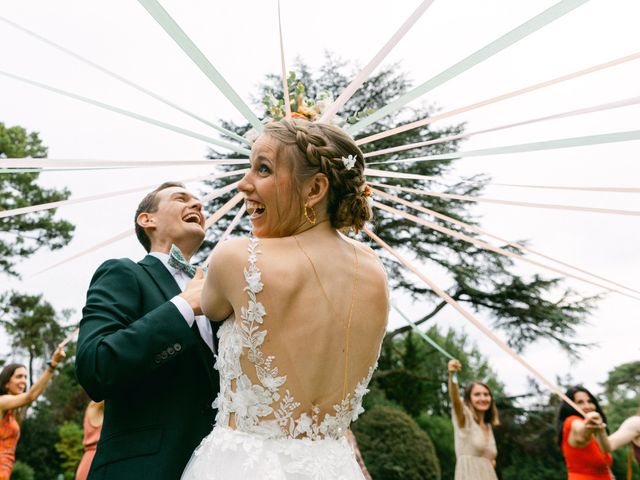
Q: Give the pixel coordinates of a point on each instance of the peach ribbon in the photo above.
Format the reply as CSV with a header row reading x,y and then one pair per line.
x,y
486,245
552,206
582,111
91,198
47,163
130,231
357,82
229,229
414,176
473,320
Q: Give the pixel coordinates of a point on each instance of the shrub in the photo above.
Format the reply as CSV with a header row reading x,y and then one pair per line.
x,y
70,448
394,447
22,471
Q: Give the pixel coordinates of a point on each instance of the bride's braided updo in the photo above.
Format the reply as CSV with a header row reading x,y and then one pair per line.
x,y
312,148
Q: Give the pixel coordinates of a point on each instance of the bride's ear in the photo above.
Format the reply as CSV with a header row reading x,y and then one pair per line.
x,y
317,189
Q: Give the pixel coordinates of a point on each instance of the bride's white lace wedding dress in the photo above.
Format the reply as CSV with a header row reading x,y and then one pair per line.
x,y
262,431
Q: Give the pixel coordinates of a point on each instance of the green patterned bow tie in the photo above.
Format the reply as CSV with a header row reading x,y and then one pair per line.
x,y
177,261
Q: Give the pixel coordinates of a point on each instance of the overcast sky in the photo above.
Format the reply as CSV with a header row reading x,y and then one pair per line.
x,y
240,39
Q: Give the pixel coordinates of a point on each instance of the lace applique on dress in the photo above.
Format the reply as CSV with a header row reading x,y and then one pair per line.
x,y
267,408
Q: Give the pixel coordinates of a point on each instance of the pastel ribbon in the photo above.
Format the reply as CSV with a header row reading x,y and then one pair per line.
x,y
137,116
527,147
473,320
582,111
499,98
357,82
126,81
130,231
551,206
486,245
534,24
90,198
170,26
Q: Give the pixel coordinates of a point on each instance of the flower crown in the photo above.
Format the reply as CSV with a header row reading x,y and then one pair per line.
x,y
304,108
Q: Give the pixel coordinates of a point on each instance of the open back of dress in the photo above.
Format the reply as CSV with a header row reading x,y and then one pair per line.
x,y
282,362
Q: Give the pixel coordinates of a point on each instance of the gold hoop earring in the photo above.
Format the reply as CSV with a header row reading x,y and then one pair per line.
x,y
313,218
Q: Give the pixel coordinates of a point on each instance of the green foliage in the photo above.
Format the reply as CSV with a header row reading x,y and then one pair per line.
x,y
622,391
440,430
394,447
63,401
526,438
38,435
412,374
22,471
33,326
70,448
23,235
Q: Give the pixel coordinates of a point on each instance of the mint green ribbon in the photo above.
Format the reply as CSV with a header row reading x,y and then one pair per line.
x,y
137,116
528,147
426,338
186,44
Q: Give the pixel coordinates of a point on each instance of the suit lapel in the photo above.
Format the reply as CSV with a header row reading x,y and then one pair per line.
x,y
169,287
160,276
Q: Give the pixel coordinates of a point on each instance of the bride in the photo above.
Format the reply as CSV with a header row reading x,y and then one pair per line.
x,y
309,312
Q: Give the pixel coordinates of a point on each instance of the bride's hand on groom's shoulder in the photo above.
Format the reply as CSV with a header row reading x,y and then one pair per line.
x,y
193,290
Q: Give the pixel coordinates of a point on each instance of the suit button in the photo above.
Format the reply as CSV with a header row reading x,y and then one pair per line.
x,y
171,351
157,358
164,355
177,347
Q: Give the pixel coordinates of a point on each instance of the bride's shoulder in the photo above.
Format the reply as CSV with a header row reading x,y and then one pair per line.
x,y
231,251
366,252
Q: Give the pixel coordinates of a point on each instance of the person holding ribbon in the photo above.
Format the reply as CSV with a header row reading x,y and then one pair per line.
x,y
145,348
583,438
473,421
309,308
13,399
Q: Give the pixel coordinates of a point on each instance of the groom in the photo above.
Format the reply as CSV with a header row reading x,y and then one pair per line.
x,y
146,349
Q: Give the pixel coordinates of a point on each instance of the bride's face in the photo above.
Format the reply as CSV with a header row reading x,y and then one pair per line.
x,y
268,191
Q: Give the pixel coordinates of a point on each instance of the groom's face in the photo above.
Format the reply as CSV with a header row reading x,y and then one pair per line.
x,y
178,217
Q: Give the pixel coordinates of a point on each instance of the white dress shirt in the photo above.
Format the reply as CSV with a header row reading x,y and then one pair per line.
x,y
182,279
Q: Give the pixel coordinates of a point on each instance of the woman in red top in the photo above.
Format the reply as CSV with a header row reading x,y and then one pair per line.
x,y
584,441
13,383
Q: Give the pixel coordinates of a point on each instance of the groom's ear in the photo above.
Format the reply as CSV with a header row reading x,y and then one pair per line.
x,y
146,220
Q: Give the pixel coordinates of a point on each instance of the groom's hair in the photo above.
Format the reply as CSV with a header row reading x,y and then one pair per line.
x,y
149,204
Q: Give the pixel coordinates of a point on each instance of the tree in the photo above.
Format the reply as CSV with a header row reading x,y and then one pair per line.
x,y
622,391
23,235
33,326
413,375
525,309
70,448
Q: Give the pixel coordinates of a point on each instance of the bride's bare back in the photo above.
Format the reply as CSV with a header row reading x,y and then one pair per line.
x,y
317,289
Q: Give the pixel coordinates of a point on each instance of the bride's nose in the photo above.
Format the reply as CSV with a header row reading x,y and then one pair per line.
x,y
245,185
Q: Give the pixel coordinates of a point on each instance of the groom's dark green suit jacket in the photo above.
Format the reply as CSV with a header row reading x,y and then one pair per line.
x,y
136,351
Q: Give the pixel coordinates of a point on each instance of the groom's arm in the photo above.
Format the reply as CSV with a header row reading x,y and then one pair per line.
x,y
117,343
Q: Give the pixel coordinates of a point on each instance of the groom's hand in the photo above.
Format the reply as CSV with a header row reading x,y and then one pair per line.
x,y
192,292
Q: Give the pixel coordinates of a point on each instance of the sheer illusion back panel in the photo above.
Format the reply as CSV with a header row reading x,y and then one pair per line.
x,y
305,332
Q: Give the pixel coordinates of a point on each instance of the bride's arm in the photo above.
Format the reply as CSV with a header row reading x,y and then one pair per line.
x,y
215,294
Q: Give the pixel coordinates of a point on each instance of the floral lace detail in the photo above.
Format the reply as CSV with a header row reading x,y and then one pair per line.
x,y
251,403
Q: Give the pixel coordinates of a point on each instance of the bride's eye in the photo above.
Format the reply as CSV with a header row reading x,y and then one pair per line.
x,y
263,169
